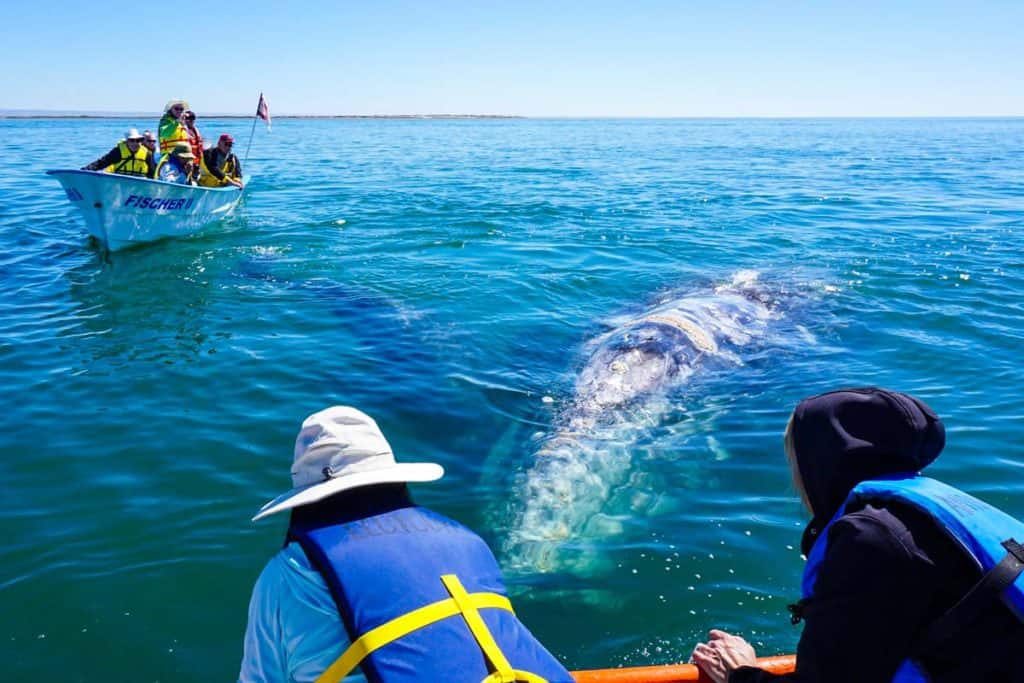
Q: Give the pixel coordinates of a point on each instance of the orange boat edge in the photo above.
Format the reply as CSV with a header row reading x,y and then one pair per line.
x,y
673,673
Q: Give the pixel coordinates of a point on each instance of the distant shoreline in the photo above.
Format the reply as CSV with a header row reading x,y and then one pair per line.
x,y
30,114
45,115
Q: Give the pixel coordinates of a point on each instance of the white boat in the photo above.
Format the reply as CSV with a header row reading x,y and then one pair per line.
x,y
121,210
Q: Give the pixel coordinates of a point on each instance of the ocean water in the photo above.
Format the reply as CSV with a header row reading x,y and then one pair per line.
x,y
449,277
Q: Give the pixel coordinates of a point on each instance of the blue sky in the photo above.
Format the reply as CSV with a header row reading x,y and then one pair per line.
x,y
528,58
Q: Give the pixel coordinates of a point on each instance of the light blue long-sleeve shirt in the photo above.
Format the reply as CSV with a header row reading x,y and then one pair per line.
x,y
294,631
172,172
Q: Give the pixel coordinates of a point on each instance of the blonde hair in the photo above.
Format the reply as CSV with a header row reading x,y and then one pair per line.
x,y
794,467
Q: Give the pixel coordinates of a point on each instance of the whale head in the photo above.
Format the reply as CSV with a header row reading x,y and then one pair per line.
x,y
633,362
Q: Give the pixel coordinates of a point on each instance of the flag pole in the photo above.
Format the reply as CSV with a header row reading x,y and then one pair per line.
x,y
245,161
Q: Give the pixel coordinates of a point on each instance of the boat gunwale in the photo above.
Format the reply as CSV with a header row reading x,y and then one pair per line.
x,y
122,177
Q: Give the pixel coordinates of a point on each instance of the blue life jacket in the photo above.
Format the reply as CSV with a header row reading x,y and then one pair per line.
x,y
986,533
423,599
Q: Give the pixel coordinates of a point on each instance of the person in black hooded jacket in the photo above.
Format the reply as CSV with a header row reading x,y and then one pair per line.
x,y
889,570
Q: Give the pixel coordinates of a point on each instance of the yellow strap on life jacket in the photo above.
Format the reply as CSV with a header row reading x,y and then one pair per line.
x,y
521,677
503,671
468,604
480,631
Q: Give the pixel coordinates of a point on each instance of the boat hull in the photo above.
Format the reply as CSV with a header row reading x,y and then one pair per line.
x,y
675,673
121,211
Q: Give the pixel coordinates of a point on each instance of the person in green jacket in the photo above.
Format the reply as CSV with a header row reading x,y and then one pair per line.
x,y
172,129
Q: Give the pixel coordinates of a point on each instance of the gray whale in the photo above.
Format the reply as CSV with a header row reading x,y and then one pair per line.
x,y
624,388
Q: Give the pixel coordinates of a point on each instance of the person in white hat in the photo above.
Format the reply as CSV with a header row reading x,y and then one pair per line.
x,y
172,128
128,157
370,586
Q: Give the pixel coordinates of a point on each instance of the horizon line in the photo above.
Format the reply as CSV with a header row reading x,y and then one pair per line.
x,y
101,114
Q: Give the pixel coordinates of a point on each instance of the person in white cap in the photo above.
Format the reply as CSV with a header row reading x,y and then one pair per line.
x,y
372,587
128,157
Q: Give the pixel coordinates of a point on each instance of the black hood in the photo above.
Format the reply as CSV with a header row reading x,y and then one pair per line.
x,y
843,437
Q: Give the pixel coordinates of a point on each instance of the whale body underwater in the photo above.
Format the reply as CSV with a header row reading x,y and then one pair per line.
x,y
624,389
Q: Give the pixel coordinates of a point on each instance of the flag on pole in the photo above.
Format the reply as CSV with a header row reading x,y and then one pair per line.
x,y
263,111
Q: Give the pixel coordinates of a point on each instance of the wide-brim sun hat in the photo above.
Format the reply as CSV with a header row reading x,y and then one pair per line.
x,y
339,449
173,103
132,134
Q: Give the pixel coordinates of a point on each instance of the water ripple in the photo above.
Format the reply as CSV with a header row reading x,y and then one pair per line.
x,y
445,276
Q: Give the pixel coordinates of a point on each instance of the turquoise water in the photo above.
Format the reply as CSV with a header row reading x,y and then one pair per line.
x,y
446,277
